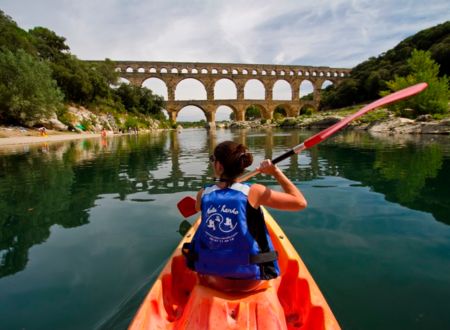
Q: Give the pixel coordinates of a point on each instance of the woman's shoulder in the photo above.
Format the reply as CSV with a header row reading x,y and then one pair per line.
x,y
256,193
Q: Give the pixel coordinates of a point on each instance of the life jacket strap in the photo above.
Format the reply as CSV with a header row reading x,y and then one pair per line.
x,y
259,258
263,257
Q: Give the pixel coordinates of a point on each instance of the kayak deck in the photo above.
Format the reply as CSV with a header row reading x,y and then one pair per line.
x,y
291,301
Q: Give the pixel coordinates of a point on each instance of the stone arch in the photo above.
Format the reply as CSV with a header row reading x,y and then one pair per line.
x,y
204,71
262,112
122,80
224,112
326,84
225,89
191,112
129,69
174,70
282,90
307,109
157,86
163,70
165,113
254,90
190,89
306,89
141,70
285,109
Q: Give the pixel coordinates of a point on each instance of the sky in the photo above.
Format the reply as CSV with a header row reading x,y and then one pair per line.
x,y
335,33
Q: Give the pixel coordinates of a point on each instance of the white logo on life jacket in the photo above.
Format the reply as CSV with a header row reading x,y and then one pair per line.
x,y
216,221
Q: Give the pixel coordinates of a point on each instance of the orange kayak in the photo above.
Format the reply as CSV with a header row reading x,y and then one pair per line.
x,y
291,301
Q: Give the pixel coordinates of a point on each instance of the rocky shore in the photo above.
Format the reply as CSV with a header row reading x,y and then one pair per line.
x,y
387,124
382,123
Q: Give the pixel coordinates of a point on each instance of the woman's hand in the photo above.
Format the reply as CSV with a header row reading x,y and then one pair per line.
x,y
266,167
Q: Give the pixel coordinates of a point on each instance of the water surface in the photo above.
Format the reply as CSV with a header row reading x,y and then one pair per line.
x,y
85,226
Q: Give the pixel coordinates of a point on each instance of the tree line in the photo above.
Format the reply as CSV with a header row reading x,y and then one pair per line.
x,y
39,75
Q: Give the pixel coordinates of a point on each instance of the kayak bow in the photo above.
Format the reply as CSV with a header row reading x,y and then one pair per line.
x,y
291,301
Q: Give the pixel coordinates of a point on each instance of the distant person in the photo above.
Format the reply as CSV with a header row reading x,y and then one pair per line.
x,y
43,131
103,133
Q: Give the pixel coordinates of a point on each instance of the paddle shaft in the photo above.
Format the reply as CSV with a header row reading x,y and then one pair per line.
x,y
326,133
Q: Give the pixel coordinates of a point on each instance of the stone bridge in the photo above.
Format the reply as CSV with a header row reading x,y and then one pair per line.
x,y
208,74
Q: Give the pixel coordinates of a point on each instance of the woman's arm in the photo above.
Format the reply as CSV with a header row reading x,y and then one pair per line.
x,y
198,202
291,199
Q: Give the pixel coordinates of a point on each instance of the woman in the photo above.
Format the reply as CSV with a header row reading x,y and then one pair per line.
x,y
231,250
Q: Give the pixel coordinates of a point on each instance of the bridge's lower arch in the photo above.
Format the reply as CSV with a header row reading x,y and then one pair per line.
x,y
283,110
191,113
225,113
257,111
307,109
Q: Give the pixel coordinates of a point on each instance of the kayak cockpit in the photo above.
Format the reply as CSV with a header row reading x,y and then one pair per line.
x,y
291,301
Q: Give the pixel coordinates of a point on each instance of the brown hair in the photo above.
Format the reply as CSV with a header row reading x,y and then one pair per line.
x,y
234,158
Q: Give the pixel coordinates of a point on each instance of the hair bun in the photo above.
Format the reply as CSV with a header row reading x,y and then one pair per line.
x,y
246,159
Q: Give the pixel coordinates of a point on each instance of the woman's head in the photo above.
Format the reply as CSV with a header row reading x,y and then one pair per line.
x,y
233,157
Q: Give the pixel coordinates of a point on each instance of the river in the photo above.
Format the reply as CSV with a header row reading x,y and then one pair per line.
x,y
85,226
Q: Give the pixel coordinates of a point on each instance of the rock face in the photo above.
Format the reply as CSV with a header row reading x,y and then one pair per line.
x,y
80,115
409,126
50,123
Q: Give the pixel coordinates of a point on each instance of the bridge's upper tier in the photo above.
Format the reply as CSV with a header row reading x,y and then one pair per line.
x,y
227,69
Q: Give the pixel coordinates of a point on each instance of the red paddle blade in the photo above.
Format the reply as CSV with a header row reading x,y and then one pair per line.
x,y
187,206
388,99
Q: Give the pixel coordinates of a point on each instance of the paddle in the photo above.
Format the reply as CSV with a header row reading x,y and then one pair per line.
x,y
187,204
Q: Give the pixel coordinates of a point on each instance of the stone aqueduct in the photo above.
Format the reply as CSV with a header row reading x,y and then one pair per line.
x,y
172,73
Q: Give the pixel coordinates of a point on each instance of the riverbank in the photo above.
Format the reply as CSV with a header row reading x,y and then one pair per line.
x,y
20,135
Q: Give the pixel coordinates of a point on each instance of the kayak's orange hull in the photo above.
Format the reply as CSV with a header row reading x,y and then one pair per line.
x,y
292,301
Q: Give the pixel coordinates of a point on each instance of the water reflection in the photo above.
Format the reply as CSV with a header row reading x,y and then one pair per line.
x,y
59,183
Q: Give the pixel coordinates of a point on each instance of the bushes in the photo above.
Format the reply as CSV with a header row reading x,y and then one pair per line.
x,y
27,90
434,99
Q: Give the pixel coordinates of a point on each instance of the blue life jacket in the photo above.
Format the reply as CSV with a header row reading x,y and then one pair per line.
x,y
232,239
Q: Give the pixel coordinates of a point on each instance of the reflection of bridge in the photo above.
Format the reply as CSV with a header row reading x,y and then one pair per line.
x,y
179,181
208,74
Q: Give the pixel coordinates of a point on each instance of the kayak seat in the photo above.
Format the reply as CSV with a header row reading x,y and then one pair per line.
x,y
295,298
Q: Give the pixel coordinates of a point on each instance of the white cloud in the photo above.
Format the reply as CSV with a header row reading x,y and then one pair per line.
x,y
336,33
333,33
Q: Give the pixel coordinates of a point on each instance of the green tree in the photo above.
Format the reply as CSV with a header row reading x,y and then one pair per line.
x,y
140,100
252,113
12,37
27,90
48,45
423,69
